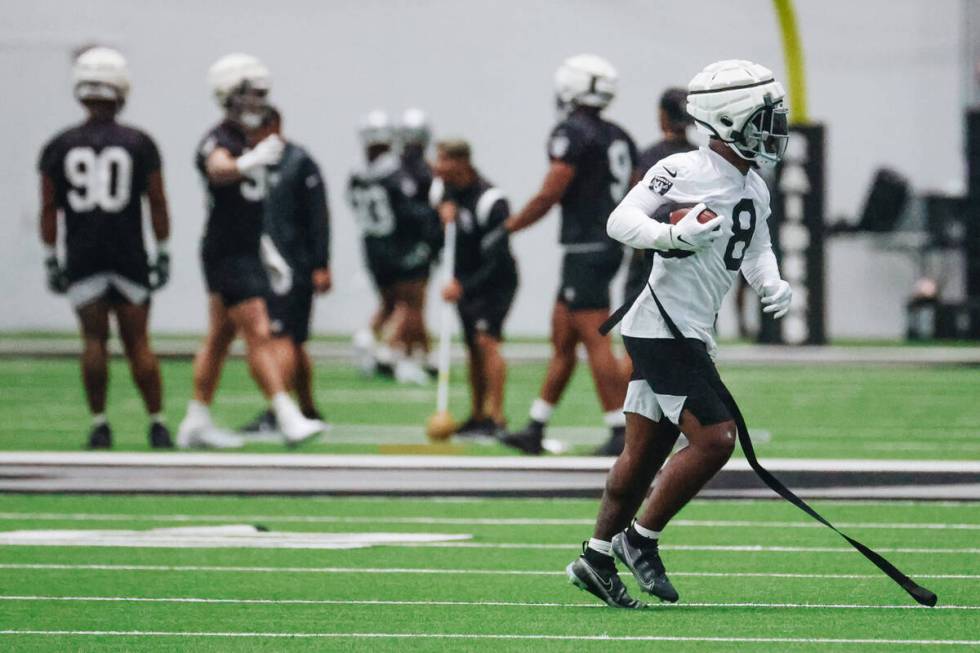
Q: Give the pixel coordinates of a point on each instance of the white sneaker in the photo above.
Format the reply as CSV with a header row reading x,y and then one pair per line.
x,y
198,417
214,438
410,372
363,347
295,428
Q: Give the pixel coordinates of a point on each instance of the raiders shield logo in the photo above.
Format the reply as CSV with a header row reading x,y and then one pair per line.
x,y
661,185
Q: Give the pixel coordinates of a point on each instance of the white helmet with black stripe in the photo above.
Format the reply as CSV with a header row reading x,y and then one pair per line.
x,y
375,128
241,83
101,74
585,80
741,104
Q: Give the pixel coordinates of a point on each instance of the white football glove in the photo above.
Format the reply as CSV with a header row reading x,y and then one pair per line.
x,y
688,234
280,274
266,152
776,297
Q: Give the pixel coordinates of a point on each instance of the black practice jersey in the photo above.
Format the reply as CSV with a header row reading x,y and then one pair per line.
x,y
483,258
393,214
100,171
660,150
235,210
416,166
604,156
296,216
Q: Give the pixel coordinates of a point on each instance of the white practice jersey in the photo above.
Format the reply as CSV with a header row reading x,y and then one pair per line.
x,y
691,286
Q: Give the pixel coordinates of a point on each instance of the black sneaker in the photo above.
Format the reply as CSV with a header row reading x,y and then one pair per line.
x,y
264,423
159,436
100,437
614,445
482,428
601,582
528,441
646,565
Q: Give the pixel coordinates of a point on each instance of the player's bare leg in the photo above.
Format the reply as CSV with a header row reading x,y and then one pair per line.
x,y
252,322
478,381
303,382
411,333
285,355
709,448
144,367
93,319
564,339
210,358
495,375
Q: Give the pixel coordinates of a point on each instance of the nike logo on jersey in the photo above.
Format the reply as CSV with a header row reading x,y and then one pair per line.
x,y
672,173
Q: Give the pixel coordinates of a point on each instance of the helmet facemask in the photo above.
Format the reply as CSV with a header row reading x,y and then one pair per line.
x,y
249,105
765,135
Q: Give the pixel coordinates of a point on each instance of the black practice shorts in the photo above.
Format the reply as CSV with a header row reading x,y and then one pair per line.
x,y
670,375
485,312
388,268
586,275
289,314
236,278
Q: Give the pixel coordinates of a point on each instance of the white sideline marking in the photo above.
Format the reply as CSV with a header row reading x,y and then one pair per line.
x,y
421,570
498,636
497,604
495,463
735,548
460,521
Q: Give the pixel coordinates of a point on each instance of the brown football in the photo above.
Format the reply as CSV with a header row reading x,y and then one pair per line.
x,y
705,216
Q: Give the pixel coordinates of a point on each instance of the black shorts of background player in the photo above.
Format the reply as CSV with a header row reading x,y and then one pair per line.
x,y
237,182
96,175
485,278
401,234
297,221
592,162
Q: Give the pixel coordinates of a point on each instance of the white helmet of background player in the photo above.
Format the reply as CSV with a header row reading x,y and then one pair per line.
x,y
741,103
376,129
101,74
415,129
585,80
240,84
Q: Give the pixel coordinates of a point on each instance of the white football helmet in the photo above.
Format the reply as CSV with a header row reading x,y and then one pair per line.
x,y
101,74
585,80
376,129
240,84
741,103
414,128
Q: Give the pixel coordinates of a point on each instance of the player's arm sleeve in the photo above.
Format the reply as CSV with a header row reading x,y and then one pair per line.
x,y
493,247
318,214
566,145
759,265
152,161
632,223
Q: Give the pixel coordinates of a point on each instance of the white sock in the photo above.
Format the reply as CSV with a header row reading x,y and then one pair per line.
x,y
602,546
541,411
98,419
283,406
156,418
646,532
198,409
615,418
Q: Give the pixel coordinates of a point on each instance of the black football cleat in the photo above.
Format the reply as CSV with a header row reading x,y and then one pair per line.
x,y
263,423
100,437
529,441
159,436
646,565
614,445
602,583
477,429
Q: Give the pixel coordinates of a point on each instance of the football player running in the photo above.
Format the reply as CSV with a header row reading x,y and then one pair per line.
x,y
96,175
740,105
485,278
297,221
237,180
592,163
397,225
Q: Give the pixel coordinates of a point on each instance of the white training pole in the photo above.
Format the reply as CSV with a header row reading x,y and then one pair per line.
x,y
446,318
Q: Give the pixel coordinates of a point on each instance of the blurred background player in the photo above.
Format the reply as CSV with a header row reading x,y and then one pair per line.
x,y
414,134
237,281
297,219
592,162
96,174
674,122
485,279
397,225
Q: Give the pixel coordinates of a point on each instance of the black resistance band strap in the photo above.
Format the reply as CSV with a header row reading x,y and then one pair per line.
x,y
916,591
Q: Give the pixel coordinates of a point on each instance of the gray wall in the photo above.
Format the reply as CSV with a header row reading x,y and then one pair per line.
x,y
883,74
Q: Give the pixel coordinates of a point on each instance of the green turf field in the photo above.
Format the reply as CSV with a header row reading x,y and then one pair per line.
x,y
819,411
744,569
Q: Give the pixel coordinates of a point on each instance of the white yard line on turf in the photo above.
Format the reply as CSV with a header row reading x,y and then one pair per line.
x,y
732,548
498,604
423,570
462,521
497,636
